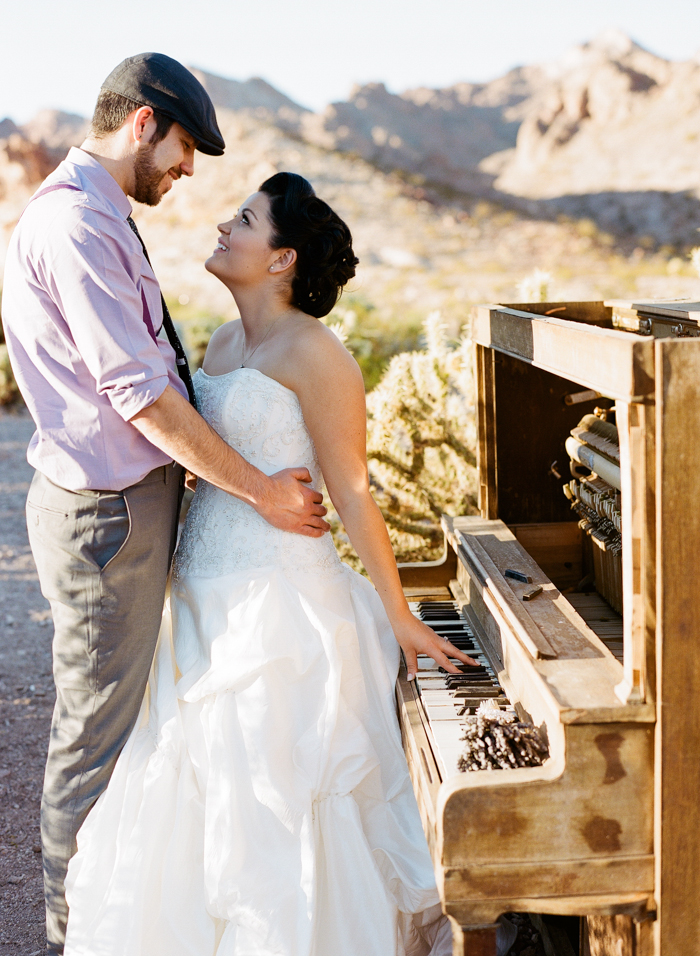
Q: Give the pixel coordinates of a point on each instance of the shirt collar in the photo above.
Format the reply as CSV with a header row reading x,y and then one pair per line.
x,y
103,181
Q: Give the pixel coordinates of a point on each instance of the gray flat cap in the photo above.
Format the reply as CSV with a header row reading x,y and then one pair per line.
x,y
158,81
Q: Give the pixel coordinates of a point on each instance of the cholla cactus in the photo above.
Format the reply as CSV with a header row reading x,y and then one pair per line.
x,y
420,432
9,392
535,287
694,257
340,330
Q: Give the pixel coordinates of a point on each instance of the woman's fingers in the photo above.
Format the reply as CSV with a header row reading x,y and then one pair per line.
x,y
411,663
461,656
440,656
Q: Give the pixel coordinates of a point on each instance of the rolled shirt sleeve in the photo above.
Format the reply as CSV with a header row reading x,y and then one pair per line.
x,y
81,313
96,282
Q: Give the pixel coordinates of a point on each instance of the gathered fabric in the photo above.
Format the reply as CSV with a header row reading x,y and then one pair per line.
x,y
262,805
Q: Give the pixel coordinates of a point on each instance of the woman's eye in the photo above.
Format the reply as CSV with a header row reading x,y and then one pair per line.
x,y
244,218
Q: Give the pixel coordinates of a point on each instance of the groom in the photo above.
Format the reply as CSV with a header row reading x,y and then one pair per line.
x,y
99,364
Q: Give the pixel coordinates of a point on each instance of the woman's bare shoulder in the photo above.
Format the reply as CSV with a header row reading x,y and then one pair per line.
x,y
316,351
221,339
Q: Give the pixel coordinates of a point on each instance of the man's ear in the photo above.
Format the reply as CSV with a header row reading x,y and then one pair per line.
x,y
141,119
284,261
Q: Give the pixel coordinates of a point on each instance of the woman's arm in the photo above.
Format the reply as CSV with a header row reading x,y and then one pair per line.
x,y
329,385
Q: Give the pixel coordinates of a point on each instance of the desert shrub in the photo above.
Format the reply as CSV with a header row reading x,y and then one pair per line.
x,y
420,445
9,393
371,338
195,337
694,256
535,287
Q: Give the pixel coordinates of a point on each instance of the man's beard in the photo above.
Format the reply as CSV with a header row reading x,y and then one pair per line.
x,y
147,178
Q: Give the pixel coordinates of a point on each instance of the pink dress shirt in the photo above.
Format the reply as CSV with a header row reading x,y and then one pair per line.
x,y
81,310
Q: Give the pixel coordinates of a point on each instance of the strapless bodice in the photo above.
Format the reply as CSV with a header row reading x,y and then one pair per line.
x,y
263,421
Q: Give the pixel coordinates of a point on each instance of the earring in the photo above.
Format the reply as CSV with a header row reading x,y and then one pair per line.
x,y
271,269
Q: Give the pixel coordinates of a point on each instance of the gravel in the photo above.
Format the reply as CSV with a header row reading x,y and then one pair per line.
x,y
26,702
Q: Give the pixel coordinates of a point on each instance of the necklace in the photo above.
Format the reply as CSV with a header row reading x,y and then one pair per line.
x,y
269,329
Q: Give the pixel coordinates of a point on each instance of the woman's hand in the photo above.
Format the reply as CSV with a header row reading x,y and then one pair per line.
x,y
415,638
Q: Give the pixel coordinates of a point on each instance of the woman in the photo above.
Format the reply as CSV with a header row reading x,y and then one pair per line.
x,y
262,805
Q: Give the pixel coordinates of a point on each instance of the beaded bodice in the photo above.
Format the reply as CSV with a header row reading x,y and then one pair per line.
x,y
263,421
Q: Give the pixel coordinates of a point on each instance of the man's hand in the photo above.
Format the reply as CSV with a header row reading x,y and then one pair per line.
x,y
290,505
284,500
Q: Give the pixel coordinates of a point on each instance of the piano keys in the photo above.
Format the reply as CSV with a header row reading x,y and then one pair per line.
x,y
447,699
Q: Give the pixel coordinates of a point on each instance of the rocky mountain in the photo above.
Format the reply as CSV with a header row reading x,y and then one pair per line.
x,y
55,129
610,132
442,135
254,96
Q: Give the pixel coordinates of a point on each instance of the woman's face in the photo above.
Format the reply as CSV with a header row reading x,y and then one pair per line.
x,y
243,255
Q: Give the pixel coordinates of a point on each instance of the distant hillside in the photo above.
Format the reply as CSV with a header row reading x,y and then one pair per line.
x,y
582,168
609,132
255,96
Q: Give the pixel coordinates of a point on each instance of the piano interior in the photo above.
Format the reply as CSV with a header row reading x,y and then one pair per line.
x,y
573,590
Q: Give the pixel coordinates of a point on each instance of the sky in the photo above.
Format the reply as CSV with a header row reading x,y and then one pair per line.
x,y
56,54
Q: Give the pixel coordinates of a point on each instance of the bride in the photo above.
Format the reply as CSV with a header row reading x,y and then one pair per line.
x,y
262,806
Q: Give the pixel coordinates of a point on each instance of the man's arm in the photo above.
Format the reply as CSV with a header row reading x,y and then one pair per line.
x,y
283,499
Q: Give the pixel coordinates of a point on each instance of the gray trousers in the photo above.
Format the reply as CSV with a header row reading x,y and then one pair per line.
x,y
103,560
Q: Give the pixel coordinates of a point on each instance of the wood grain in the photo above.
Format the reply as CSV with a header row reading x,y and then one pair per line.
x,y
677,929
614,363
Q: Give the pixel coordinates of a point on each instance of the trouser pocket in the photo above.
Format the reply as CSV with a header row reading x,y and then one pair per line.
x,y
111,529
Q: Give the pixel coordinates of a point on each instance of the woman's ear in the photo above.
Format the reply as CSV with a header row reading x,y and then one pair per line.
x,y
284,261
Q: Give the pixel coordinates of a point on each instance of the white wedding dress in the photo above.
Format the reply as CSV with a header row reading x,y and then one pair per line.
x,y
262,805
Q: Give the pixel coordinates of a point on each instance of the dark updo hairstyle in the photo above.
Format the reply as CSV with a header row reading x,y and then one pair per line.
x,y
302,221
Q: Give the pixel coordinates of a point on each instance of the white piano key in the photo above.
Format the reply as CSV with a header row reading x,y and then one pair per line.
x,y
438,712
447,735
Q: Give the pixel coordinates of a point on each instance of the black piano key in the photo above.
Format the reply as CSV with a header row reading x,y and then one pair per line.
x,y
473,684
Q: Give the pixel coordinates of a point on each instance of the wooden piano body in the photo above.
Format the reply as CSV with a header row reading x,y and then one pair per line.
x,y
608,828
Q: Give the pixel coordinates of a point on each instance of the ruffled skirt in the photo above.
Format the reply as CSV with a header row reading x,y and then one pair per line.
x,y
262,805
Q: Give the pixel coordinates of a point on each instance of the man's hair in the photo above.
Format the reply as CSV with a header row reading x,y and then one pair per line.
x,y
112,109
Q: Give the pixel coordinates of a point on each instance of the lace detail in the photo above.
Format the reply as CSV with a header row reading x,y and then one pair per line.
x,y
263,421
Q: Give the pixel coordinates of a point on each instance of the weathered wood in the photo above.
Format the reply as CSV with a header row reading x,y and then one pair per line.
x,y
635,426
634,904
497,880
596,789
499,598
556,547
427,593
420,757
611,936
593,313
614,363
682,309
492,548
474,940
486,431
429,573
677,929
618,935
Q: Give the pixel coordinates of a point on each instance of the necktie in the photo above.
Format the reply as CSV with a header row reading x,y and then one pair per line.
x,y
183,369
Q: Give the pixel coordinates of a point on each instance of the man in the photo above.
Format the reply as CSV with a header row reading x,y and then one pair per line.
x,y
83,315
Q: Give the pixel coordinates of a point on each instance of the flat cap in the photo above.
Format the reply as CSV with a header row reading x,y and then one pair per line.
x,y
158,81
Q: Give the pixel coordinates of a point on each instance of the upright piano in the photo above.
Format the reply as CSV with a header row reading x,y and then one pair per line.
x,y
589,490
